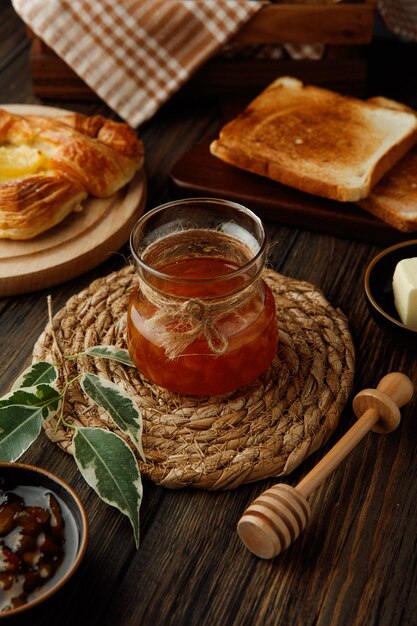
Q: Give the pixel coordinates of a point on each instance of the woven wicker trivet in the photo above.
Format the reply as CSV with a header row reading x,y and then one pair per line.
x,y
266,429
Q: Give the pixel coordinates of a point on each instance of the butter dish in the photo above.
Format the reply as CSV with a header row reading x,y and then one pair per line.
x,y
378,285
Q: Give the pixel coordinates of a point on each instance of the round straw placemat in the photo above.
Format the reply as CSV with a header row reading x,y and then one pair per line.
x,y
265,429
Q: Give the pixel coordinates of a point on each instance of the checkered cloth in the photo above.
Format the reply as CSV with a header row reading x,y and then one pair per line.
x,y
400,16
135,54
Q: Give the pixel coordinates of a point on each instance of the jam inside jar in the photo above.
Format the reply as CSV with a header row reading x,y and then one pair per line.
x,y
201,320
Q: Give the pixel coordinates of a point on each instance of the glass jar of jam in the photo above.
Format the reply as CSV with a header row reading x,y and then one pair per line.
x,y
201,320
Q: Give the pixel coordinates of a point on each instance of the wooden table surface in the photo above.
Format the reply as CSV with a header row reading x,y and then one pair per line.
x,y
356,562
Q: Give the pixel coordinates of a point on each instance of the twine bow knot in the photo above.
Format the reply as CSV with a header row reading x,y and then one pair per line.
x,y
195,309
204,324
178,328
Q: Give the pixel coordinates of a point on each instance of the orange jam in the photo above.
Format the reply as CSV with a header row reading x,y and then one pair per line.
x,y
248,330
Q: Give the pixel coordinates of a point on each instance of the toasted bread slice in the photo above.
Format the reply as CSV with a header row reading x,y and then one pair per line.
x,y
394,198
316,140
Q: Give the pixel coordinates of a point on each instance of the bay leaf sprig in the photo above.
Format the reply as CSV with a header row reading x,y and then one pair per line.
x,y
110,352
108,465
37,373
104,459
23,409
118,405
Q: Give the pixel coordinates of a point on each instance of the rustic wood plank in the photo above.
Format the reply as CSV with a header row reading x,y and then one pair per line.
x,y
301,23
354,564
344,71
13,39
52,78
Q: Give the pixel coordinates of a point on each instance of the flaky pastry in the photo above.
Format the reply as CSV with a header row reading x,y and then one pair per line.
x,y
49,165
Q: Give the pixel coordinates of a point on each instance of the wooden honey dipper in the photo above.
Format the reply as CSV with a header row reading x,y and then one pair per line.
x,y
276,518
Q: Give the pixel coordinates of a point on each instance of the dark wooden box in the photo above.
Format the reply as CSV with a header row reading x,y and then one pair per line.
x,y
344,28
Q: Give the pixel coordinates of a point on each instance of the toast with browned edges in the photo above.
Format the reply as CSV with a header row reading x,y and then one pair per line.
x,y
394,197
316,140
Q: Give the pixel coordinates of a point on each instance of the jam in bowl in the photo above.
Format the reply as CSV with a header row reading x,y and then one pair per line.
x,y
43,536
202,320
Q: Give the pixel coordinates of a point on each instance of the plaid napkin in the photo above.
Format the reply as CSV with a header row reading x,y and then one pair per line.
x,y
135,54
400,16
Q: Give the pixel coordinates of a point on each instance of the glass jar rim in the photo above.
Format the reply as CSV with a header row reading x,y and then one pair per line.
x,y
187,280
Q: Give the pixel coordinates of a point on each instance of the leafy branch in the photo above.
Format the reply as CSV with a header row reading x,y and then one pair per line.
x,y
104,459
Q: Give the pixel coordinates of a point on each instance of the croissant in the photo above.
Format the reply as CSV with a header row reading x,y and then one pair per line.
x,y
49,165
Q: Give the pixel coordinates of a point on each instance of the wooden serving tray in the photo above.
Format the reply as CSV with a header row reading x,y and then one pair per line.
x,y
199,173
343,22
80,242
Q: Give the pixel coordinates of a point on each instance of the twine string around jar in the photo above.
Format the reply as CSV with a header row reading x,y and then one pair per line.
x,y
178,321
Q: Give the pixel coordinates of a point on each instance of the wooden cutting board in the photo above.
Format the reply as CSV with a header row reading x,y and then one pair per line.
x,y
79,243
199,173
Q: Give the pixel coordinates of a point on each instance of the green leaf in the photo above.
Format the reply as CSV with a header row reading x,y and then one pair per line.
x,y
47,397
37,373
109,466
111,352
19,427
118,404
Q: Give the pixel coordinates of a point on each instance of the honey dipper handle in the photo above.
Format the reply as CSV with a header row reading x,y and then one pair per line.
x,y
279,514
377,410
336,454
398,386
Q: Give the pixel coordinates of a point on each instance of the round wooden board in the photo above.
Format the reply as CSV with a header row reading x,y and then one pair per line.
x,y
79,243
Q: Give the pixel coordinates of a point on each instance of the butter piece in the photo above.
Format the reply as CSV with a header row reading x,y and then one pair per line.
x,y
404,285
